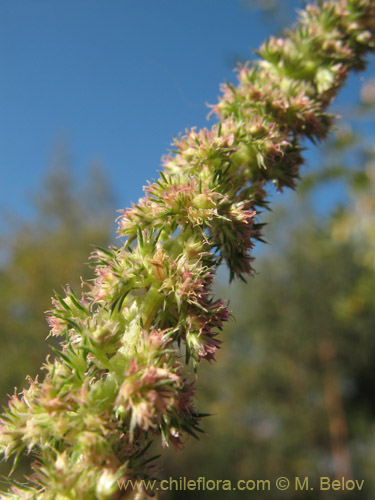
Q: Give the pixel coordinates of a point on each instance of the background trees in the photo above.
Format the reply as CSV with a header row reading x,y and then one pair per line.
x,y
292,391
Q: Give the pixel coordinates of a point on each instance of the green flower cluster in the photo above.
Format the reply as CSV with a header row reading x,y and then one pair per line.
x,y
121,377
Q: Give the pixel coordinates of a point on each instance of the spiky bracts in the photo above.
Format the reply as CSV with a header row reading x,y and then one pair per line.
x,y
121,376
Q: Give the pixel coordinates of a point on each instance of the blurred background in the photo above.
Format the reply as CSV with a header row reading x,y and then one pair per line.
x,y
91,96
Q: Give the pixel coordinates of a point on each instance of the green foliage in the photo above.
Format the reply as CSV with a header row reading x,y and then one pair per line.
x,y
296,363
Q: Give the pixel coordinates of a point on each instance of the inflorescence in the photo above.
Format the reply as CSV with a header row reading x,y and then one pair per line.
x,y
121,377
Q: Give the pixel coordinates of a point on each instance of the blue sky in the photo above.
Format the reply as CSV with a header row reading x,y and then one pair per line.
x,y
117,79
